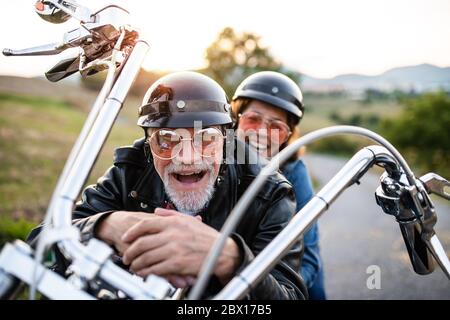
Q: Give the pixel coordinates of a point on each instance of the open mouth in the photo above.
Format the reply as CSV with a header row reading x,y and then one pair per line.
x,y
259,142
189,177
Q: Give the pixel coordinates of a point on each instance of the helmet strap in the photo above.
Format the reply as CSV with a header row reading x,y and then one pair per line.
x,y
147,152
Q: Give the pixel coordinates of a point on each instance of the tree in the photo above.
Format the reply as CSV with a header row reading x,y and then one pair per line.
x,y
232,57
423,131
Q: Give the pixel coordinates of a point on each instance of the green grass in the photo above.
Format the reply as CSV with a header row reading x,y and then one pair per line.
x,y
38,102
12,229
325,105
36,135
318,114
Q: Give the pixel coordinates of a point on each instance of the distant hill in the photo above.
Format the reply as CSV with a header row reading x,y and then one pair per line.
x,y
423,77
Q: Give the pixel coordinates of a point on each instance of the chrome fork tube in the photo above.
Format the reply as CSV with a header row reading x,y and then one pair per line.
x,y
95,139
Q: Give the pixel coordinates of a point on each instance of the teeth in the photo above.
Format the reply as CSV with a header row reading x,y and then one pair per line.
x,y
188,174
258,146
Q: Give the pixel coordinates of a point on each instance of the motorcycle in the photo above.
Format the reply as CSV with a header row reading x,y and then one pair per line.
x,y
107,41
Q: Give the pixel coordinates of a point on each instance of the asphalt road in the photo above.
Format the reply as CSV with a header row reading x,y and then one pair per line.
x,y
355,234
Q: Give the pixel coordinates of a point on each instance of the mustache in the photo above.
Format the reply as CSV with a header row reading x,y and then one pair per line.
x,y
175,167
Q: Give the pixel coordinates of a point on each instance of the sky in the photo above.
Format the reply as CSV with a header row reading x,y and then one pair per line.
x,y
321,38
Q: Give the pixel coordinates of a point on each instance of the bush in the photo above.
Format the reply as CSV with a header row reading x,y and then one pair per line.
x,y
422,132
339,145
11,229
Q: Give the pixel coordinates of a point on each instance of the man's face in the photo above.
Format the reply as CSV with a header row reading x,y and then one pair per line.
x,y
188,177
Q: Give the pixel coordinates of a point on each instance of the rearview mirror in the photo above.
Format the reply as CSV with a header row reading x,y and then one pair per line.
x,y
48,11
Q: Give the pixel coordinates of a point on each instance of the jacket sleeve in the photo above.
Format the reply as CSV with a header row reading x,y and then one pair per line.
x,y
98,201
283,282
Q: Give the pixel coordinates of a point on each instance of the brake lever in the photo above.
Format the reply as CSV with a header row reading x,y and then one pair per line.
x,y
47,49
71,39
55,11
436,184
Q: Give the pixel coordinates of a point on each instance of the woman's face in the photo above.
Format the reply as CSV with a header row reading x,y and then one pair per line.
x,y
264,127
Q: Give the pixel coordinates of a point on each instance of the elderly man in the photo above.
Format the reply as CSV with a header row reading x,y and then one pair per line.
x,y
161,203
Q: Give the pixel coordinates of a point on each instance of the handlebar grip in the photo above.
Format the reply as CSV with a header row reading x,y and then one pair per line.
x,y
7,52
420,256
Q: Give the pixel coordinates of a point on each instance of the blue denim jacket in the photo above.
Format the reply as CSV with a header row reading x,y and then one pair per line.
x,y
311,267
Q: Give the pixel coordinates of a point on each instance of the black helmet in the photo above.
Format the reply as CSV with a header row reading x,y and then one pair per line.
x,y
273,88
178,99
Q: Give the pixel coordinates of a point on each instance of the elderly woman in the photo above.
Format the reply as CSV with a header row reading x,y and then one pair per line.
x,y
268,108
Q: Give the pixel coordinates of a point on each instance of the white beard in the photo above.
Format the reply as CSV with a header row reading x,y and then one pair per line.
x,y
189,202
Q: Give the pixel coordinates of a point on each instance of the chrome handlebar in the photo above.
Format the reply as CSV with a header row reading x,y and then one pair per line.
x,y
420,246
388,157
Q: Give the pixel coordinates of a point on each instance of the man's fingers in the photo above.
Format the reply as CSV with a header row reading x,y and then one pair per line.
x,y
151,225
178,281
163,268
143,244
191,280
166,212
149,258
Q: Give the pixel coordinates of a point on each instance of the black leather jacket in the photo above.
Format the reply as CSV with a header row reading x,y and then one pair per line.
x,y
132,184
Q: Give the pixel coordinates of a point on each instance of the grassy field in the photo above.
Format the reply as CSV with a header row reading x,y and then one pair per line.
x,y
323,110
36,135
325,105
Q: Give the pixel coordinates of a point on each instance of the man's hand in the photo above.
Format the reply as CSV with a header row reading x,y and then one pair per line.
x,y
181,281
174,244
112,228
177,281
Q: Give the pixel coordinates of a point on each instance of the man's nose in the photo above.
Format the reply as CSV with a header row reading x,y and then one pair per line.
x,y
187,154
